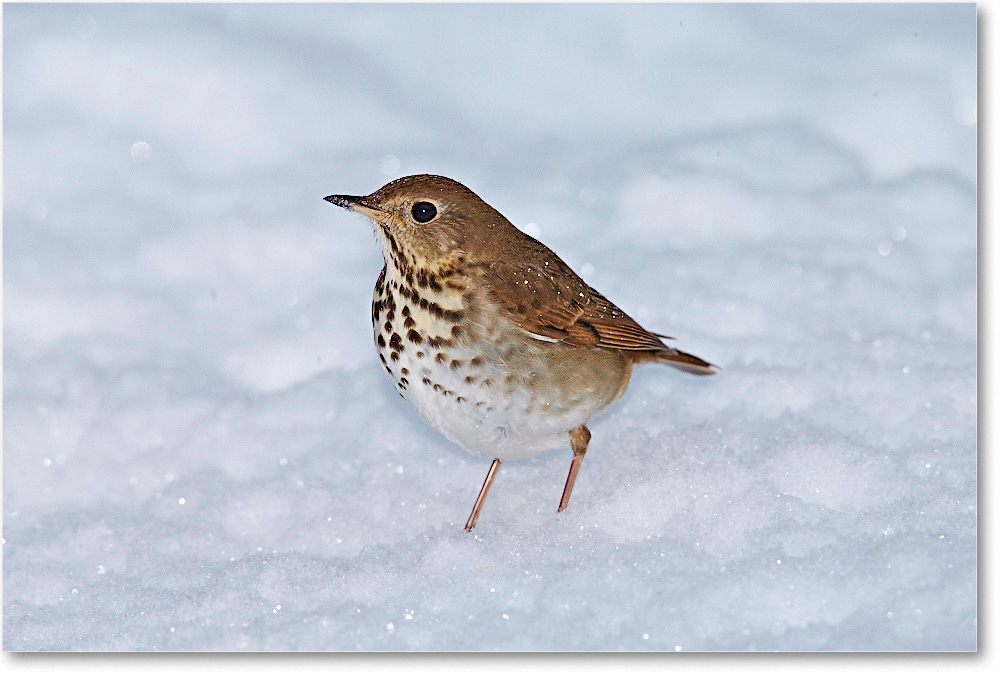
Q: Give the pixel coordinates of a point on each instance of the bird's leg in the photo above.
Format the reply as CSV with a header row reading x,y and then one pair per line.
x,y
578,438
471,523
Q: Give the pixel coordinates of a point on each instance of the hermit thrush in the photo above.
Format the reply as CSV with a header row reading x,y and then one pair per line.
x,y
492,338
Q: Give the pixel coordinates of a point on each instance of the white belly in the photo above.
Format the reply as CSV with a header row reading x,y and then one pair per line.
x,y
482,419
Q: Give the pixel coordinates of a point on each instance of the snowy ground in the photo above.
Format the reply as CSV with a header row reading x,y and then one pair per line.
x,y
201,451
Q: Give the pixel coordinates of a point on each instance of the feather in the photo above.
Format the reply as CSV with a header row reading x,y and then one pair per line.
x,y
550,302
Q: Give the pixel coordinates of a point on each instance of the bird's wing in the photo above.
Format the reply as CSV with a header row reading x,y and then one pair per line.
x,y
548,300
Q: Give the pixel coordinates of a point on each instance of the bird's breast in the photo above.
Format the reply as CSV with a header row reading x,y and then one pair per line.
x,y
474,376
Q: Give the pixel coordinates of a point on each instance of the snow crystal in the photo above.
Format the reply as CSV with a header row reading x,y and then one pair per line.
x,y
140,151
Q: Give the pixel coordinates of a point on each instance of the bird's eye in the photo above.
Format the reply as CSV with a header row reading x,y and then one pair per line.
x,y
424,212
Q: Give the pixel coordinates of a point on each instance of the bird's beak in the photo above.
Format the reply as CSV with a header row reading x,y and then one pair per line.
x,y
347,201
353,203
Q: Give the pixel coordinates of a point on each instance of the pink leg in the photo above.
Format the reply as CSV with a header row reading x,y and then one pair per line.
x,y
482,496
578,438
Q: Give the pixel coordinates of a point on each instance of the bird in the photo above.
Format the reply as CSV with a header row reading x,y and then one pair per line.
x,y
490,337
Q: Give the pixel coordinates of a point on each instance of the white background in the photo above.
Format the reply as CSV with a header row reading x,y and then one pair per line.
x,y
200,451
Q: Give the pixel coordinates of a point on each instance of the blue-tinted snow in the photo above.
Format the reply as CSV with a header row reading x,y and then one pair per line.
x,y
201,450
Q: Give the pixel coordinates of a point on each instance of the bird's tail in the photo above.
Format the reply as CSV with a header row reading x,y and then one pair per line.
x,y
689,363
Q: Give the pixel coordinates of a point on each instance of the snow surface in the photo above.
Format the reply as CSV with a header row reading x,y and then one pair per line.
x,y
201,451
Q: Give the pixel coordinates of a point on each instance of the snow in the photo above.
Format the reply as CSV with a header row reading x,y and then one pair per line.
x,y
201,451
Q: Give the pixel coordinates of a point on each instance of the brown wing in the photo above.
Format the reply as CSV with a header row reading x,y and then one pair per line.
x,y
549,301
